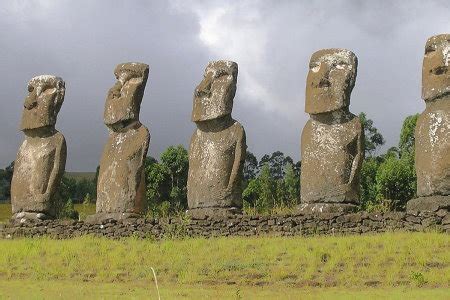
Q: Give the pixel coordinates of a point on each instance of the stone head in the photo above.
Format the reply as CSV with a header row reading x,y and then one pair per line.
x,y
123,102
435,75
44,100
213,97
330,81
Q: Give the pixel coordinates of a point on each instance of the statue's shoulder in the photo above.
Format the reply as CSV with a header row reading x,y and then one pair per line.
x,y
309,124
238,128
356,122
143,131
59,139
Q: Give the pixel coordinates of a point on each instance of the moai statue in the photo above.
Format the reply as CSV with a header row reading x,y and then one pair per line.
x,y
332,140
432,136
121,180
41,159
217,150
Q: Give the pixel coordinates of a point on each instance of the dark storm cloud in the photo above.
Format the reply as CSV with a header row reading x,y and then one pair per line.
x,y
82,41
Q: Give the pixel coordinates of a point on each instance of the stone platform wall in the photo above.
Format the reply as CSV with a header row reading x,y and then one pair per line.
x,y
240,225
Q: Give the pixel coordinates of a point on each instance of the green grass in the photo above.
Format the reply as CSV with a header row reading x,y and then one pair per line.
x,y
390,265
26,289
384,260
85,210
5,212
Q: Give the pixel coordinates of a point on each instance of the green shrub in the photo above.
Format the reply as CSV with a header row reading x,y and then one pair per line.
x,y
368,183
396,181
67,211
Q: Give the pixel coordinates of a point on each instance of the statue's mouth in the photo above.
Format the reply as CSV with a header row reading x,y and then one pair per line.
x,y
324,83
439,70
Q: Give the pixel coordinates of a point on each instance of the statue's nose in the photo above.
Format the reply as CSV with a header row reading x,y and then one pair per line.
x,y
30,101
323,75
203,89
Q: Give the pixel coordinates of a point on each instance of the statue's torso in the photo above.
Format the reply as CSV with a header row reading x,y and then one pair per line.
x,y
31,190
211,159
328,155
121,184
432,149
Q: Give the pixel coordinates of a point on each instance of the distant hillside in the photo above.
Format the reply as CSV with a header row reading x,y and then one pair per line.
x,y
81,175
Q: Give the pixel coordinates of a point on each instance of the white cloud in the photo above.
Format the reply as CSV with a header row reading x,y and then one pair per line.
x,y
273,41
236,31
24,12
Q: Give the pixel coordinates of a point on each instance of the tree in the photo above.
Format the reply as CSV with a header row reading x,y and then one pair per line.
x,y
280,196
396,181
5,181
167,180
373,139
276,162
261,192
251,193
177,161
94,182
267,188
158,183
264,160
4,184
149,160
297,168
388,181
292,185
407,139
67,211
250,166
67,188
87,199
368,183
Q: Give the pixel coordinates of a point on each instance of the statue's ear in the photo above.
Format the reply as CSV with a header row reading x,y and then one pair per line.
x,y
60,93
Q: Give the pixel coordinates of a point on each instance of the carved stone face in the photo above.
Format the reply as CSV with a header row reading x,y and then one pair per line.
x,y
435,75
213,97
331,78
123,102
44,100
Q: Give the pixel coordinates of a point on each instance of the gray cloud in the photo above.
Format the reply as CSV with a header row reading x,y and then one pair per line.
x,y
82,41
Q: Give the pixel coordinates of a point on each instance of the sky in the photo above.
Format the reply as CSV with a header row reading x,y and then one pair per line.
x,y
272,41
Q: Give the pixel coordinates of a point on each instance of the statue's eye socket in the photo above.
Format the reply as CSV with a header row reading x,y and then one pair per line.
x,y
220,73
340,66
314,67
429,49
30,88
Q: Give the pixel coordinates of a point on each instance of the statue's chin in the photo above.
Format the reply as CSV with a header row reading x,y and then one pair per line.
x,y
122,125
39,131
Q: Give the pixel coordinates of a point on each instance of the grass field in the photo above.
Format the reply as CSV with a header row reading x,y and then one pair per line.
x,y
23,289
5,212
401,265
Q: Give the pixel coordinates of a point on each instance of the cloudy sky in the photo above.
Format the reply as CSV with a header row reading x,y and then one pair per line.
x,y
83,40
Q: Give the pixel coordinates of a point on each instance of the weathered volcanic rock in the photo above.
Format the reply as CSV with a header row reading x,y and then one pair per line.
x,y
121,181
41,158
332,140
432,136
217,149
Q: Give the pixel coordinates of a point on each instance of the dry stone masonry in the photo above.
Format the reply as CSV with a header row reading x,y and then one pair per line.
x,y
332,140
235,225
432,136
41,158
217,149
121,180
